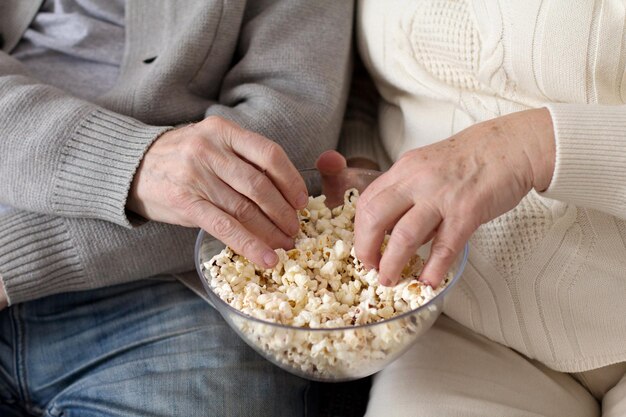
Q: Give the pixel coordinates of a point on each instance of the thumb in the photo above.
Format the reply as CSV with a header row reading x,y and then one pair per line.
x,y
330,163
446,246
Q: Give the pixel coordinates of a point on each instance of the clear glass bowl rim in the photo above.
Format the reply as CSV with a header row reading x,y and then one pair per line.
x,y
224,305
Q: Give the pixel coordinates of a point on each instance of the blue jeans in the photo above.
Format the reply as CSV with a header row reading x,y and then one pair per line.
x,y
149,348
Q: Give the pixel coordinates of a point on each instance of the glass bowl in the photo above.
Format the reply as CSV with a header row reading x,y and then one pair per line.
x,y
335,354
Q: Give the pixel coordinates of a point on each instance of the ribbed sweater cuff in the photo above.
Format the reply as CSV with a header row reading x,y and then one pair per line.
x,y
357,140
32,245
590,164
98,164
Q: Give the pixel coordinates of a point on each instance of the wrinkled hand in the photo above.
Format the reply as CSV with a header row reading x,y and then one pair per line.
x,y
445,191
238,186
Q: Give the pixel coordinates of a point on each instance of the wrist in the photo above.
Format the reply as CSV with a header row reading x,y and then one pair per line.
x,y
539,146
141,184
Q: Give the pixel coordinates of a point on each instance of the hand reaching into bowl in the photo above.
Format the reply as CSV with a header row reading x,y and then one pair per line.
x,y
238,186
446,190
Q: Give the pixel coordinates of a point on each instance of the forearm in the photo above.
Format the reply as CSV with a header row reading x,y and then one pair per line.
x,y
530,135
42,255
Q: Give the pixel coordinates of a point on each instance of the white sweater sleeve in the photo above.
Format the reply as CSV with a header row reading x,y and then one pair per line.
x,y
590,166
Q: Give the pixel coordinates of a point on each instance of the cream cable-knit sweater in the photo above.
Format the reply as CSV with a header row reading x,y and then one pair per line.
x,y
548,278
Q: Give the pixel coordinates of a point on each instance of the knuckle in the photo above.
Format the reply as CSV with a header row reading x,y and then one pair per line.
x,y
223,227
217,163
189,130
408,157
247,247
464,209
368,215
404,238
218,128
272,153
466,204
190,211
214,122
443,250
430,207
469,221
287,213
192,128
245,211
464,221
193,146
259,185
180,199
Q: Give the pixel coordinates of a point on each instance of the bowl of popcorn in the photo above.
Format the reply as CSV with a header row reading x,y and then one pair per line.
x,y
319,313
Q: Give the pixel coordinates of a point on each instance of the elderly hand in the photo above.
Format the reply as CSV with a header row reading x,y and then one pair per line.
x,y
238,186
445,191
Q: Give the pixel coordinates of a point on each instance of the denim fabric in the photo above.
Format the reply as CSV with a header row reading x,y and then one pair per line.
x,y
150,348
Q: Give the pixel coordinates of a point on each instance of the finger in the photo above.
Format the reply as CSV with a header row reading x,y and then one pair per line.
x,y
336,179
247,213
376,213
330,163
256,186
249,181
334,187
407,236
448,243
331,166
227,229
271,158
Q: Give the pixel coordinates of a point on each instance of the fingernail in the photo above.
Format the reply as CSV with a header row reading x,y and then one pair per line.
x,y
302,200
385,282
424,281
270,258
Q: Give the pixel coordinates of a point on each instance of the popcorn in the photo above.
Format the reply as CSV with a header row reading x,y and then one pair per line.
x,y
321,285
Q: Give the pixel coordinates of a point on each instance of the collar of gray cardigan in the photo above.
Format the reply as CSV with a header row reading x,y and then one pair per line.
x,y
279,68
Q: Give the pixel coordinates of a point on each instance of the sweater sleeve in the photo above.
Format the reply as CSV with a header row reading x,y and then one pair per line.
x,y
590,166
291,74
64,156
42,255
359,136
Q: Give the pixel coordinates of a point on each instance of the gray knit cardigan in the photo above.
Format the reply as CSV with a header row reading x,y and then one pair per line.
x,y
279,68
